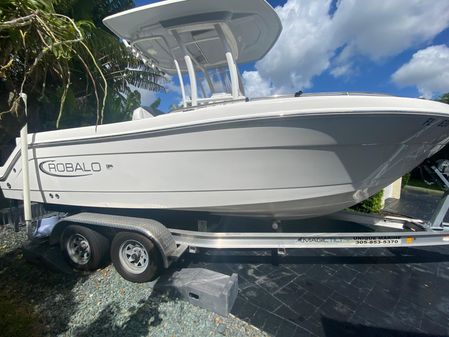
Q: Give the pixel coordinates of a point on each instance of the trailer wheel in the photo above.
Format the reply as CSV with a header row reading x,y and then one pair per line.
x,y
135,257
85,248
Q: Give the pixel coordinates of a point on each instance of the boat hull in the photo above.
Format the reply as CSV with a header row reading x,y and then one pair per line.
x,y
279,165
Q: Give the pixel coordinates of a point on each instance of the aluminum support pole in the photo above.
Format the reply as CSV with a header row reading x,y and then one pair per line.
x,y
242,87
233,73
190,68
192,78
181,83
25,172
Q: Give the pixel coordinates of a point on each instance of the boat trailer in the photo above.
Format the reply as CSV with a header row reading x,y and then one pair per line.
x,y
143,240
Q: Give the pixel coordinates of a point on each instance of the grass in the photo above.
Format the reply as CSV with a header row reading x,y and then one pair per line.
x,y
18,318
420,183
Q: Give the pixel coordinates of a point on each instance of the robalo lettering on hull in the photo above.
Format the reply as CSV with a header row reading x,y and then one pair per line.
x,y
69,169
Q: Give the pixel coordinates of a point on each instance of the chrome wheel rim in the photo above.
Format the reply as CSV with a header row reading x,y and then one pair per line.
x,y
78,249
133,256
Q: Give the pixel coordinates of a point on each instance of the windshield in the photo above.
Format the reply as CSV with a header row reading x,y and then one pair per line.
x,y
214,81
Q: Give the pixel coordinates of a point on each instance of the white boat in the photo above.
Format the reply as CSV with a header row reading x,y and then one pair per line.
x,y
277,157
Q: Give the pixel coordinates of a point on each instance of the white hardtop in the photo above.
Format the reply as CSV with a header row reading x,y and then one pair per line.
x,y
163,31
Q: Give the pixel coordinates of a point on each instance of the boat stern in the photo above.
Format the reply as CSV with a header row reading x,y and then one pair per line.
x,y
11,176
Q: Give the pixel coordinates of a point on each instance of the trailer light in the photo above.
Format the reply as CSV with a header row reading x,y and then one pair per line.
x,y
409,240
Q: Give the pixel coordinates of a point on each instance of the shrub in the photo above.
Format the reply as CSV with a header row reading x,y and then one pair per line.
x,y
371,205
405,179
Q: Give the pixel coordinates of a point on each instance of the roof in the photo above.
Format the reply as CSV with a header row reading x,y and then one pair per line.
x,y
251,28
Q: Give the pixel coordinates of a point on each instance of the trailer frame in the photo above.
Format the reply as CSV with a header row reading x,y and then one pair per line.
x,y
171,243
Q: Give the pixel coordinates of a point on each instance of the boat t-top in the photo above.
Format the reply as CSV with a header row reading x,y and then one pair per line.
x,y
294,156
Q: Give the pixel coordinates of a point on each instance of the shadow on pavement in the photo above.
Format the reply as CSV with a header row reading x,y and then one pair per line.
x,y
334,328
26,284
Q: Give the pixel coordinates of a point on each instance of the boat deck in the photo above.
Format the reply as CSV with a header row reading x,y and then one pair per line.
x,y
343,292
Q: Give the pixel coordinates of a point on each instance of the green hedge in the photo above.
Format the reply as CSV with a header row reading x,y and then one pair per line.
x,y
405,179
371,205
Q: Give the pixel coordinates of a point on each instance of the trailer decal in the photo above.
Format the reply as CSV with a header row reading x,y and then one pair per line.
x,y
378,241
354,241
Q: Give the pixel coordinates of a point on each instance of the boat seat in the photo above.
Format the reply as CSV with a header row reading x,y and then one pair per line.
x,y
141,113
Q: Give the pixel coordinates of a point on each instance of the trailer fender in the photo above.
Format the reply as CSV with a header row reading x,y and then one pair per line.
x,y
152,229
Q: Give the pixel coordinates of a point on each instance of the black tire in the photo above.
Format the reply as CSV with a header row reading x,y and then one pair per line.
x,y
75,236
139,264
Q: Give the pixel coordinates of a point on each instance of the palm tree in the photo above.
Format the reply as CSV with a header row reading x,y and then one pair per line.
x,y
121,69
444,98
72,69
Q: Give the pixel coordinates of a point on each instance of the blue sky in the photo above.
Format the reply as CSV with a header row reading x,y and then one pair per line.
x,y
397,47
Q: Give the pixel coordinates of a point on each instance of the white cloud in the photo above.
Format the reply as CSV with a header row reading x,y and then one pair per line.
x,y
428,69
313,41
170,85
383,28
380,29
342,70
147,97
255,86
302,49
